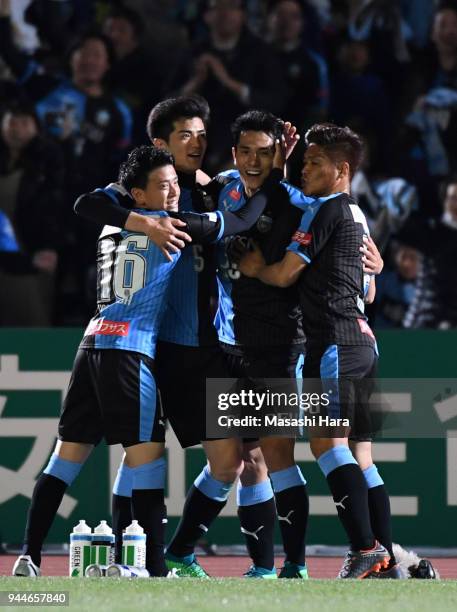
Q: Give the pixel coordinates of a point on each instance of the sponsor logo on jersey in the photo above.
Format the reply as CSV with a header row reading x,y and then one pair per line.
x,y
365,328
302,238
234,194
103,327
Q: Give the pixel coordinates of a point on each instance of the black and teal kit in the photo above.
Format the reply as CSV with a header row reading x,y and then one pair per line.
x,y
341,348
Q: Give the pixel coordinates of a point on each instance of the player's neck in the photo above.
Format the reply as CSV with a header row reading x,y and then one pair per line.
x,y
186,179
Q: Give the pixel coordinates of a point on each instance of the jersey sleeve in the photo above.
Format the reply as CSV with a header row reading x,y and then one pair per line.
x,y
212,227
217,184
108,206
297,197
315,230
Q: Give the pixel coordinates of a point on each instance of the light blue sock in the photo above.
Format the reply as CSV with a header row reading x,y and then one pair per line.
x,y
254,494
63,469
149,475
212,488
286,479
123,484
335,458
372,477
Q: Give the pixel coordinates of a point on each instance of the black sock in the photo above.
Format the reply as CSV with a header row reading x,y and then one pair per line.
x,y
350,494
380,517
198,513
148,510
292,506
46,498
122,517
257,525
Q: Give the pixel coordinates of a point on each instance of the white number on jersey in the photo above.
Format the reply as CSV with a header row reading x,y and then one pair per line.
x,y
129,268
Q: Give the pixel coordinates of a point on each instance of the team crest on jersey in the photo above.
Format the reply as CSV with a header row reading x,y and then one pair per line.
x,y
103,327
264,224
302,238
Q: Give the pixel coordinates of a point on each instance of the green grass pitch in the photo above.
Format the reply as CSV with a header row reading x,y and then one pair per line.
x,y
243,595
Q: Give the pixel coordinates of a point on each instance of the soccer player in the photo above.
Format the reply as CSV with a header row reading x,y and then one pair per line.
x,y
259,328
323,258
188,344
133,279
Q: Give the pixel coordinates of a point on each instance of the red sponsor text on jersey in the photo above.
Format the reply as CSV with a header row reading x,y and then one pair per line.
x,y
103,327
365,328
235,195
302,238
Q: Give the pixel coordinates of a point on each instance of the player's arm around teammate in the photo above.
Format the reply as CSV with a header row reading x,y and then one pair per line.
x,y
323,257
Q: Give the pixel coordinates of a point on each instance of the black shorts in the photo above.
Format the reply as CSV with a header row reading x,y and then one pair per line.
x,y
352,369
181,376
264,362
112,394
251,365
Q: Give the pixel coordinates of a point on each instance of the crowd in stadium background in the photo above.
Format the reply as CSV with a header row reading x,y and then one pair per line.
x,y
386,68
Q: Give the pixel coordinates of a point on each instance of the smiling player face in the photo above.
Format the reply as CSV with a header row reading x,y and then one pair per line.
x,y
187,144
161,191
253,156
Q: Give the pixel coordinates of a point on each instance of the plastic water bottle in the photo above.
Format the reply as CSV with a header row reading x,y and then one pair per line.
x,y
134,546
126,571
80,549
102,552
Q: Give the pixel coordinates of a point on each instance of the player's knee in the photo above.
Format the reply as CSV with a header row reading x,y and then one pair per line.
x,y
227,471
319,446
255,469
279,454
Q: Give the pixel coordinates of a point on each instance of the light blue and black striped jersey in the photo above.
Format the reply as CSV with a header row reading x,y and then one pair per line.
x,y
132,281
188,318
249,312
188,299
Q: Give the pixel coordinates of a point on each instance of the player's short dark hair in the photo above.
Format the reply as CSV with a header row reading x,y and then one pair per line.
x,y
128,14
339,144
161,119
257,121
140,162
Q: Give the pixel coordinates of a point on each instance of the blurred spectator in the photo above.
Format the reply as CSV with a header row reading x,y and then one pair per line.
x,y
418,14
234,70
135,75
435,301
305,71
381,25
94,130
428,143
31,184
436,66
52,20
359,97
396,287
